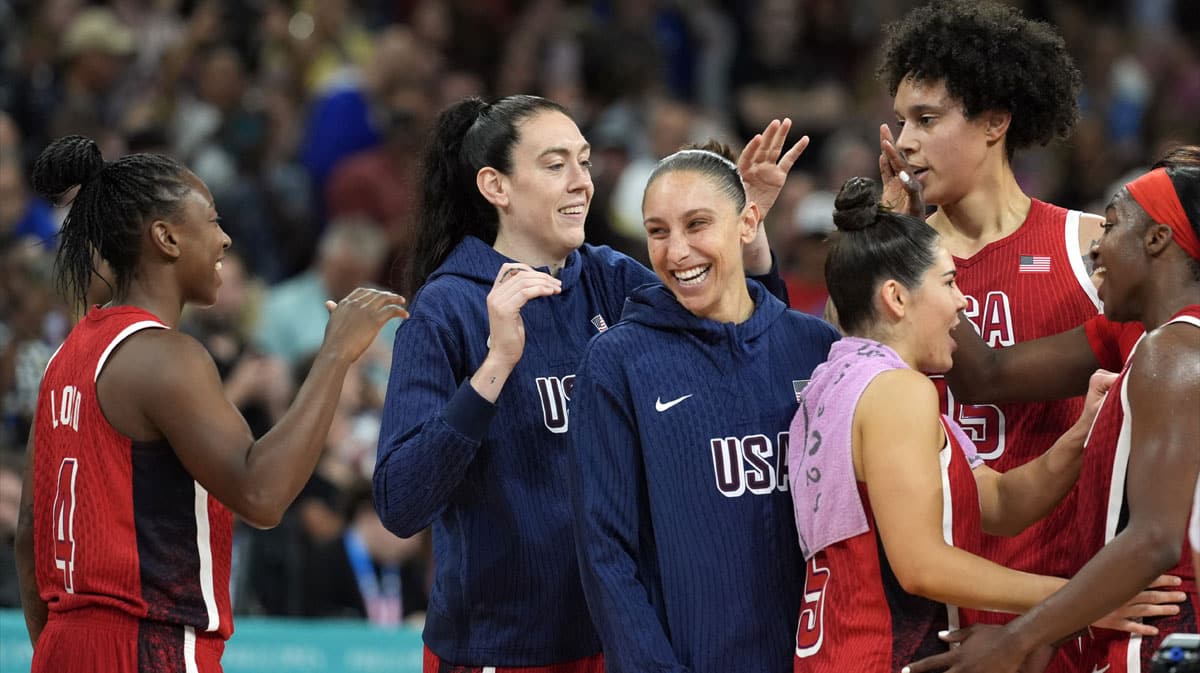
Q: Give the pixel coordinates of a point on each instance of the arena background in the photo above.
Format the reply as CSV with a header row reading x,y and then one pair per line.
x,y
305,119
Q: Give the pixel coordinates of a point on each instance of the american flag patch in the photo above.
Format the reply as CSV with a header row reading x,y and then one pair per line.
x,y
1034,264
598,322
798,387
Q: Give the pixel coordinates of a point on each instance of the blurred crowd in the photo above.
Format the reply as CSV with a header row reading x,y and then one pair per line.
x,y
306,118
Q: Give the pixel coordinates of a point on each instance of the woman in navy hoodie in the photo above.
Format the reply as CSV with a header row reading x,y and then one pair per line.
x,y
474,429
684,527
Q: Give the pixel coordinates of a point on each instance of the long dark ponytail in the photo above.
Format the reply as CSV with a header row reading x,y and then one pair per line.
x,y
469,135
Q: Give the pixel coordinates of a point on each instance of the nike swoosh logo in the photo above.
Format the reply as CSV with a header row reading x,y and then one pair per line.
x,y
661,406
1101,670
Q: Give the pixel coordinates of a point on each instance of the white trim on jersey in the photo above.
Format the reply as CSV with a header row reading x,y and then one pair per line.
x,y
124,334
204,549
944,458
1116,487
1194,520
1133,654
189,650
1076,259
56,350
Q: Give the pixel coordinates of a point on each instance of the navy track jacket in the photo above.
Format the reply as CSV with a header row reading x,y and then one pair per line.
x,y
493,479
684,525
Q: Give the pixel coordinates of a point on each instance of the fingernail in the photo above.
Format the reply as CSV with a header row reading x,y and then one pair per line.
x,y
905,670
904,176
943,634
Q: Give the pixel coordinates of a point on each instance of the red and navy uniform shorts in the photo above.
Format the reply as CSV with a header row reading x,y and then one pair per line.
x,y
104,640
592,664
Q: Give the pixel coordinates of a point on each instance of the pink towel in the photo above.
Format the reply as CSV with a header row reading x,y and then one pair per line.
x,y
820,463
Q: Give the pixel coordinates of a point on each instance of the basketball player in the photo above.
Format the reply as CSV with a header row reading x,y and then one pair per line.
x,y
474,437
1142,458
136,458
1051,367
891,497
683,525
974,82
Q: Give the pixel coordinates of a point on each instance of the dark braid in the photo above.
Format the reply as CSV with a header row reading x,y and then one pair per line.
x,y
114,203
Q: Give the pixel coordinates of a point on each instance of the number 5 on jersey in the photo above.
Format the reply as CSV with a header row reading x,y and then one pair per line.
x,y
810,634
64,522
984,424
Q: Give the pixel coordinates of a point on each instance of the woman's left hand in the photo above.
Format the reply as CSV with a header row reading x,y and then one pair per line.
x,y
763,170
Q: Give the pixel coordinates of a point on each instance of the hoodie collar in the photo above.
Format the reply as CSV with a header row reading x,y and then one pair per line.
x,y
654,305
474,259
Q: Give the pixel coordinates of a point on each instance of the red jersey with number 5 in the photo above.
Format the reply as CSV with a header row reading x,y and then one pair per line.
x,y
119,523
855,616
1030,284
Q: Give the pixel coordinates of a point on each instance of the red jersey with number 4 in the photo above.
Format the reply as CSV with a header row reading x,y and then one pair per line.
x,y
1030,284
855,615
1105,466
118,523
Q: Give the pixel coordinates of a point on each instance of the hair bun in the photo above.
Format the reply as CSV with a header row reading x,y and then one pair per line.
x,y
857,204
68,161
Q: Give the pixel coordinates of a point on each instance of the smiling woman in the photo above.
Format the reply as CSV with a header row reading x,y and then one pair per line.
x,y
974,82
1142,460
685,534
475,429
695,245
891,497
136,459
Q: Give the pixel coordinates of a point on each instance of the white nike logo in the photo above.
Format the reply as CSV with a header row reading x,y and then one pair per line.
x,y
1101,670
661,406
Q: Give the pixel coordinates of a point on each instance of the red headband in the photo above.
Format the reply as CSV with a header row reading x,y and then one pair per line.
x,y
1155,193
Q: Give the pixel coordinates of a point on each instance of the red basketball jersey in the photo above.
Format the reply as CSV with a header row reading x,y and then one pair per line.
x,y
120,524
1112,342
1030,284
1106,462
855,615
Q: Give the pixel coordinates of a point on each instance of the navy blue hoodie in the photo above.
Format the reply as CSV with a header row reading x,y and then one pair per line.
x,y
684,526
493,479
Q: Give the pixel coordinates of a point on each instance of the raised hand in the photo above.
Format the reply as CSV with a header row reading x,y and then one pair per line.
x,y
515,285
763,170
355,321
901,191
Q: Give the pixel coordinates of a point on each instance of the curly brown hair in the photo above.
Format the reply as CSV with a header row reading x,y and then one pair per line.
x,y
990,57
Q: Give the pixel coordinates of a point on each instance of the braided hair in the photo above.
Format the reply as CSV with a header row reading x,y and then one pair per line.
x,y
109,212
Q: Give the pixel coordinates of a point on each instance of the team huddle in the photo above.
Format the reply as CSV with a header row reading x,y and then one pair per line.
x,y
666,469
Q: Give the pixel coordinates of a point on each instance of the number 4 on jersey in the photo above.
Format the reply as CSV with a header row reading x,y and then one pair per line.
x,y
64,522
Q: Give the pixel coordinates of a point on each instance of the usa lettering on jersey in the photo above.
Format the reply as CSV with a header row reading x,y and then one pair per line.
x,y
751,463
994,322
555,393
985,424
